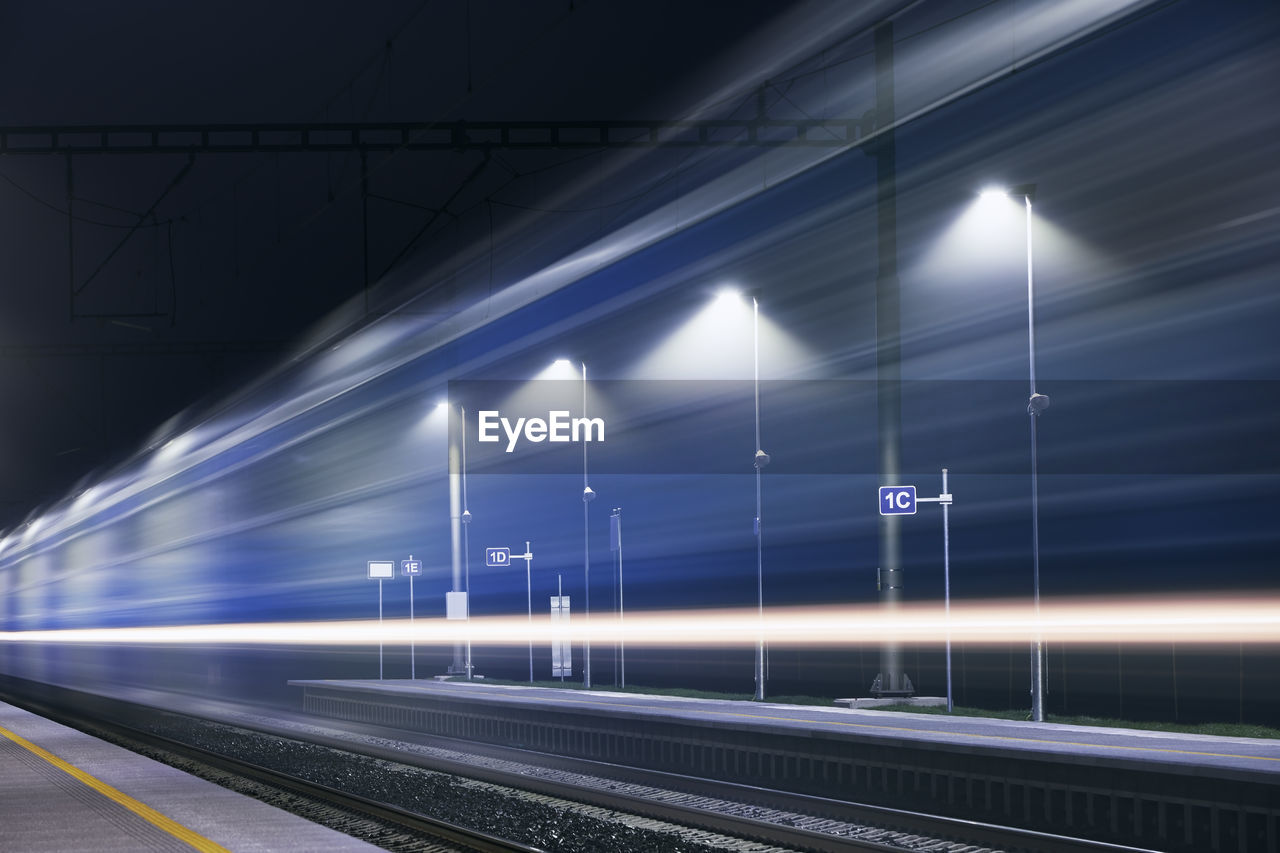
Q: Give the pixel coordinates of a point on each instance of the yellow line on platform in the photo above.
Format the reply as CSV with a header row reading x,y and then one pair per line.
x,y
143,811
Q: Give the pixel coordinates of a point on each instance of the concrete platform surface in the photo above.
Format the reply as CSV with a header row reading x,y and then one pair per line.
x,y
62,790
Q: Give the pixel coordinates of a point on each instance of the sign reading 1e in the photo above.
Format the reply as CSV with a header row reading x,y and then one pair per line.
x,y
897,500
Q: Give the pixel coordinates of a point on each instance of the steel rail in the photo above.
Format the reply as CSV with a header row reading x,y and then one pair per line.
x,y
943,828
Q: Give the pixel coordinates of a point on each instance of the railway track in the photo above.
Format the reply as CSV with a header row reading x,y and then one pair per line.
x,y
647,810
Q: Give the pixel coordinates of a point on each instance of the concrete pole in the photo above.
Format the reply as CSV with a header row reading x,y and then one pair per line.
x,y
891,680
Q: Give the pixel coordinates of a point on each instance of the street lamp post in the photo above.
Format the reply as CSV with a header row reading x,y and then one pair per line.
x,y
759,460
466,543
587,497
1036,404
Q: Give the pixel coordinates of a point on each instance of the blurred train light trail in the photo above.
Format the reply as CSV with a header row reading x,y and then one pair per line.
x,y
86,498
1078,622
33,527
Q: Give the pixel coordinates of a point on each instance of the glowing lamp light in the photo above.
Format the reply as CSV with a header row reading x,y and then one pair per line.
x,y
561,368
995,211
433,421
728,297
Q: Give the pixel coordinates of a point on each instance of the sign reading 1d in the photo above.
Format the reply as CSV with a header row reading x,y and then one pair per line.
x,y
897,500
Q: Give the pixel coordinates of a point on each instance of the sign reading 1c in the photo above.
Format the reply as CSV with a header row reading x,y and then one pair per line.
x,y
897,500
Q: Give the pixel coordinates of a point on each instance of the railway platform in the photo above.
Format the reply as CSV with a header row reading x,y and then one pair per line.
x,y
61,789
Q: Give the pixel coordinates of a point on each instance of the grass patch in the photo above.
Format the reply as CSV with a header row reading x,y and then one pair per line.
x,y
684,692
1216,729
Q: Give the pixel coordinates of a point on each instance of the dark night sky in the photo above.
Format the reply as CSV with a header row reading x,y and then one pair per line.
x,y
247,251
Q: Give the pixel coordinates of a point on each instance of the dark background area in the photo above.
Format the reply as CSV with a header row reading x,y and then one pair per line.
x,y
135,285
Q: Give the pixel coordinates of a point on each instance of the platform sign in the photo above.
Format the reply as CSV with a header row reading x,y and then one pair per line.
x,y
408,568
381,570
561,647
497,557
897,500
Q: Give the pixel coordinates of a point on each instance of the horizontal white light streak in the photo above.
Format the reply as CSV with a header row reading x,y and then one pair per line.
x,y
1188,620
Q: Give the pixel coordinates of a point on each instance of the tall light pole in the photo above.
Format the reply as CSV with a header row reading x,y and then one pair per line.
x,y
730,300
1036,404
466,543
587,497
759,460
458,520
